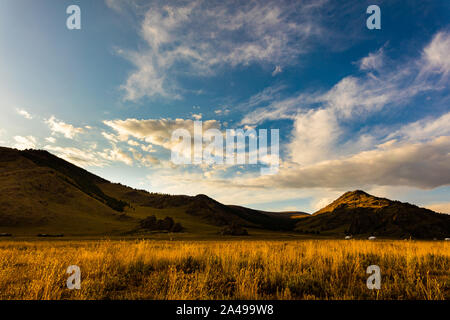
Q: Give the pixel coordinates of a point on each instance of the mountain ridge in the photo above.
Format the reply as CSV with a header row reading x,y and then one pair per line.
x,y
359,213
41,193
356,199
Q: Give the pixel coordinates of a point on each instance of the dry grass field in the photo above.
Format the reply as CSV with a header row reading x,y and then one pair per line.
x,y
148,269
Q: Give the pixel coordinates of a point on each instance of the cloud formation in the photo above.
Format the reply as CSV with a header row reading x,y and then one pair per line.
x,y
67,130
373,61
436,54
77,156
326,151
28,142
24,114
176,42
420,165
155,131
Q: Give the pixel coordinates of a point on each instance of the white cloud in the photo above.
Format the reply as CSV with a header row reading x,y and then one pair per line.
x,y
177,41
277,70
420,165
133,143
145,160
197,116
68,130
322,120
350,97
50,139
92,158
28,142
82,158
116,5
424,129
213,182
284,109
111,137
155,131
223,111
315,136
117,155
266,96
147,148
24,114
373,61
359,96
436,54
355,96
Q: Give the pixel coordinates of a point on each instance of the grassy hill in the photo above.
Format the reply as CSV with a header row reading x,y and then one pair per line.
x,y
41,193
361,214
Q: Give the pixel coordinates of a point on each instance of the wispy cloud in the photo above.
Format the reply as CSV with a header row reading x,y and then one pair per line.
x,y
373,61
24,114
277,70
67,130
144,160
117,154
420,165
424,129
321,119
271,33
28,142
155,131
435,55
80,157
325,152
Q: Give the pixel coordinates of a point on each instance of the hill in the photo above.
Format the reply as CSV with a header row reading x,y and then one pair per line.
x,y
359,213
202,208
41,193
355,199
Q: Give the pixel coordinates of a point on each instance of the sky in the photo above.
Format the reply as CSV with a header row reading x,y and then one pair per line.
x,y
355,108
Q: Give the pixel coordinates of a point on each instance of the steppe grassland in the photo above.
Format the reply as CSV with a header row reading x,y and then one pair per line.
x,y
149,269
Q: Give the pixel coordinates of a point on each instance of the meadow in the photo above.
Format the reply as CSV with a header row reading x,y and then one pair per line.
x,y
156,269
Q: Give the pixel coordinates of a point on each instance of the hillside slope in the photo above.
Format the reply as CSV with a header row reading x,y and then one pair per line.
x,y
202,208
41,193
359,213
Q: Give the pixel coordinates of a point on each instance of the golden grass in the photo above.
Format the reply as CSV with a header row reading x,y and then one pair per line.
x,y
313,269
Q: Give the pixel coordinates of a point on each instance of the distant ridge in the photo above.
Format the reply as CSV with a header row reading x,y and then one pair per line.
x,y
359,213
43,194
355,199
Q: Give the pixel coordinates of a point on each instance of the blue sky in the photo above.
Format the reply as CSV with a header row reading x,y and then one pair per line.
x,y
356,108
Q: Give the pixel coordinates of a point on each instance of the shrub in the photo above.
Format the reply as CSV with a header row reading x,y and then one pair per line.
x,y
233,230
167,224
